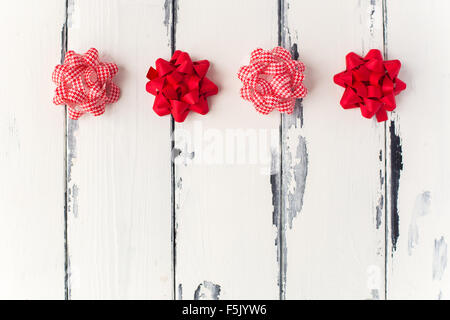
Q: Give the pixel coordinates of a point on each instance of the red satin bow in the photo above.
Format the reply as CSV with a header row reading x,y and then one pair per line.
x,y
85,84
180,86
371,84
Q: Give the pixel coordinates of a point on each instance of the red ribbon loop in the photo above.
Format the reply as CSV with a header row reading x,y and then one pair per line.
x,y
180,86
370,84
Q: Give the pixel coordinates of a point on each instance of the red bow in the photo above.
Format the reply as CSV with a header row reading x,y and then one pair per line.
x,y
180,86
85,84
370,84
272,80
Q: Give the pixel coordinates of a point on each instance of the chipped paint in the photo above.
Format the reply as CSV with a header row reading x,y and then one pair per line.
x,y
67,274
275,182
439,258
167,15
294,146
181,157
295,164
170,21
375,294
294,154
275,186
381,199
72,15
74,200
72,127
421,208
64,39
72,190
372,17
207,291
178,193
180,292
396,163
69,279
379,210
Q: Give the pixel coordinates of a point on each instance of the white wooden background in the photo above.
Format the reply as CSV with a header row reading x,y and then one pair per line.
x,y
321,204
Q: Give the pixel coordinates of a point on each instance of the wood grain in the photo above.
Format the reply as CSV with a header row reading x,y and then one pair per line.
x,y
119,164
32,152
225,236
333,160
419,155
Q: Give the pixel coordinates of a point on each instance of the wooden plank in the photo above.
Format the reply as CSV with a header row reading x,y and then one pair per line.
x,y
31,159
418,161
225,237
333,160
119,164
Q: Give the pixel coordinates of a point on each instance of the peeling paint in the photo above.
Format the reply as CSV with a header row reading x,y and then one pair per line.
x,y
396,166
207,291
379,210
180,292
72,200
182,157
421,208
68,279
275,186
372,17
64,40
72,127
72,15
167,15
380,206
375,294
170,20
439,258
178,193
295,165
275,181
294,154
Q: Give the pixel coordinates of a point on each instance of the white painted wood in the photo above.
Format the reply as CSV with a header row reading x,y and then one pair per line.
x,y
335,246
119,178
225,238
119,182
417,266
32,152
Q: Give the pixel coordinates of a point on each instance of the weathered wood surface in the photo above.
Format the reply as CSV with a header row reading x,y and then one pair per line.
x,y
119,190
319,204
334,160
32,152
419,228
225,236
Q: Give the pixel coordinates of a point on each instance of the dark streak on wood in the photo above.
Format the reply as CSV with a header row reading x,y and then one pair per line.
x,y
276,192
64,41
275,183
396,165
386,198
173,21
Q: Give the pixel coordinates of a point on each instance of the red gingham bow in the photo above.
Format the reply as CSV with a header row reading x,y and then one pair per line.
x,y
272,80
85,84
371,84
